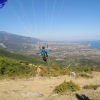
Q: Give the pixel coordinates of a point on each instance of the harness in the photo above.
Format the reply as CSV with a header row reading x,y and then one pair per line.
x,y
44,55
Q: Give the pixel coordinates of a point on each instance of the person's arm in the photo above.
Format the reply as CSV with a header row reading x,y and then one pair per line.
x,y
47,51
39,52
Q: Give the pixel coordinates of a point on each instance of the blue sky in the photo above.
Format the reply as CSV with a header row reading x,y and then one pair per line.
x,y
58,20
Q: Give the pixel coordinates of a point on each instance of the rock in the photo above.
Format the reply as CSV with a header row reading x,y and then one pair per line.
x,y
28,94
98,89
97,94
54,95
73,74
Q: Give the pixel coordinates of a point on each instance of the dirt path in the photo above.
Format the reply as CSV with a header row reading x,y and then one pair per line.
x,y
39,88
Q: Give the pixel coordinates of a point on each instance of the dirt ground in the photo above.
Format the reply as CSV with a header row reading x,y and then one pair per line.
x,y
40,88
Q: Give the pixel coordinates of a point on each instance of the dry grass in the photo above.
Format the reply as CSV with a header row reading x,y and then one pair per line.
x,y
24,89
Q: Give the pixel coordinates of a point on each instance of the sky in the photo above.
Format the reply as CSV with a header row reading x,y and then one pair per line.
x,y
52,20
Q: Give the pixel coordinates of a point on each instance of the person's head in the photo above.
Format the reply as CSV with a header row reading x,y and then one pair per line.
x,y
43,47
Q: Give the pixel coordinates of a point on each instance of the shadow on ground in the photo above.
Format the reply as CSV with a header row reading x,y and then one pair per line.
x,y
82,97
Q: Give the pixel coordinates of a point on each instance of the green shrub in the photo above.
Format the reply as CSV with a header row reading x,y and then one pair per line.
x,y
83,69
49,71
85,75
66,86
91,86
14,68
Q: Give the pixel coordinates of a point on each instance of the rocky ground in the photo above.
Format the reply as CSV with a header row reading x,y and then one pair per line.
x,y
40,88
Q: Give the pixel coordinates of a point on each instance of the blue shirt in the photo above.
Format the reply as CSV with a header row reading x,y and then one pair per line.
x,y
43,50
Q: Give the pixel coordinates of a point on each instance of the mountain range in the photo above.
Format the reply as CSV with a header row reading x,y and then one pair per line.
x,y
17,43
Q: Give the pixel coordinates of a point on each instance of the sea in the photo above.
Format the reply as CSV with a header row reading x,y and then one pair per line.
x,y
93,43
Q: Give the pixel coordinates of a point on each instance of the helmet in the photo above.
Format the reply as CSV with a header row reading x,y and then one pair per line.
x,y
43,47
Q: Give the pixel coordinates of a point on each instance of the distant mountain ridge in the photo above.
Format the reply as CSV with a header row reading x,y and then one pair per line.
x,y
14,42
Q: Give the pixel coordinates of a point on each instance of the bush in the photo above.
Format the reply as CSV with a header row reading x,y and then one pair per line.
x,y
49,71
94,87
85,75
83,69
15,68
66,86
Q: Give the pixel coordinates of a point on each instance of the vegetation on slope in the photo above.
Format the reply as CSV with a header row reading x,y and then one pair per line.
x,y
17,65
14,68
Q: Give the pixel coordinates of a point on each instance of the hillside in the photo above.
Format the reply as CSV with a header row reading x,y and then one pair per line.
x,y
28,77
9,60
24,77
16,43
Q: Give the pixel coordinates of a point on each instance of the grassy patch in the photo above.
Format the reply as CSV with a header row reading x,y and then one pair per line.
x,y
53,71
94,87
85,75
14,68
66,86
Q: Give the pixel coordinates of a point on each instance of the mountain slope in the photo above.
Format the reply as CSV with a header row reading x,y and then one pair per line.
x,y
16,42
24,58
